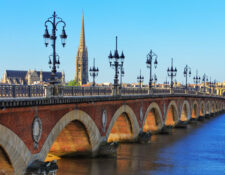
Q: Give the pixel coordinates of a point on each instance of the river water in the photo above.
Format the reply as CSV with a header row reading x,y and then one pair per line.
x,y
199,149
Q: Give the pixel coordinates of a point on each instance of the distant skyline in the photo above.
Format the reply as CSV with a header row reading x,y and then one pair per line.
x,y
190,31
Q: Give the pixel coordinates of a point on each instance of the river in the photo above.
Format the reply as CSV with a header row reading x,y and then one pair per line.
x,y
199,149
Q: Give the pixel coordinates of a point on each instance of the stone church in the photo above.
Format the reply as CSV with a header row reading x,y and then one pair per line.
x,y
81,75
29,77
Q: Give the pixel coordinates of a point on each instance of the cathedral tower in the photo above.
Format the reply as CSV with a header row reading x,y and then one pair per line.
x,y
82,59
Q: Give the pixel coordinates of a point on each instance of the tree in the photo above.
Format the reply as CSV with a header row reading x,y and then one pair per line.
x,y
72,83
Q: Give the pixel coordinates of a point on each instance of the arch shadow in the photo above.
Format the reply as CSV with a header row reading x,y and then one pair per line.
x,y
75,115
125,109
153,120
172,115
202,109
185,114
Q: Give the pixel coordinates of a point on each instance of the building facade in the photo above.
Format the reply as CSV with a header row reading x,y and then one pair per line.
x,y
30,77
81,75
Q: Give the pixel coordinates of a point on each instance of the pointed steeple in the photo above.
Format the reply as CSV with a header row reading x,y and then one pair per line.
x,y
82,34
82,58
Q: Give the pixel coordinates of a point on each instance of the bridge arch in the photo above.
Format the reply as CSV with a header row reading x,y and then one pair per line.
x,y
83,120
207,108
185,111
195,110
17,152
213,107
123,126
172,116
5,163
218,106
153,120
217,109
202,109
222,106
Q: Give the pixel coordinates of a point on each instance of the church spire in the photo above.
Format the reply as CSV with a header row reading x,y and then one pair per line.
x,y
82,59
82,34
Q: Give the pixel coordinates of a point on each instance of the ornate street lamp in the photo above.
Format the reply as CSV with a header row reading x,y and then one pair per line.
x,y
155,79
93,72
210,85
187,72
172,72
151,55
121,75
204,79
116,61
140,79
196,79
214,85
166,82
54,21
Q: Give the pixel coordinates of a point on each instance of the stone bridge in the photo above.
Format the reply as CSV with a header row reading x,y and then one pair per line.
x,y
36,128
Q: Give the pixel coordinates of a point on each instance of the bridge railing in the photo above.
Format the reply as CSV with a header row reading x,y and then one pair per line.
x,y
13,91
179,90
191,92
7,91
161,90
85,91
133,91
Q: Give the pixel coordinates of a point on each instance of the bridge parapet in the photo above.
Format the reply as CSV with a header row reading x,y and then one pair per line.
x,y
40,101
18,91
133,91
21,91
179,90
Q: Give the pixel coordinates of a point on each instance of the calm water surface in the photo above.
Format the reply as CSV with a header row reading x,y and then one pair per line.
x,y
199,149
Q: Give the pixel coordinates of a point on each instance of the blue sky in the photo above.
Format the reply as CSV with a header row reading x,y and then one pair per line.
x,y
190,31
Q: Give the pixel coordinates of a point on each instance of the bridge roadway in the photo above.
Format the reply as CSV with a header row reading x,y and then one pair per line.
x,y
33,128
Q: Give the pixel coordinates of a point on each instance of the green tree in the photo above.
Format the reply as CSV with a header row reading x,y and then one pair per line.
x,y
72,83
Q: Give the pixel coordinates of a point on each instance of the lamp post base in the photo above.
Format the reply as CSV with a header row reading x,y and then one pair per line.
x,y
150,91
53,90
116,91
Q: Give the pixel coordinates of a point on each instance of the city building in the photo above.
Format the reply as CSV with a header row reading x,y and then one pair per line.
x,y
30,77
81,75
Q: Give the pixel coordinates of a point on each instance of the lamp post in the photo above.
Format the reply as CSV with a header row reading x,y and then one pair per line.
x,y
172,72
121,75
54,21
196,79
155,79
151,55
93,72
116,61
140,79
187,72
166,82
204,79
210,85
214,85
